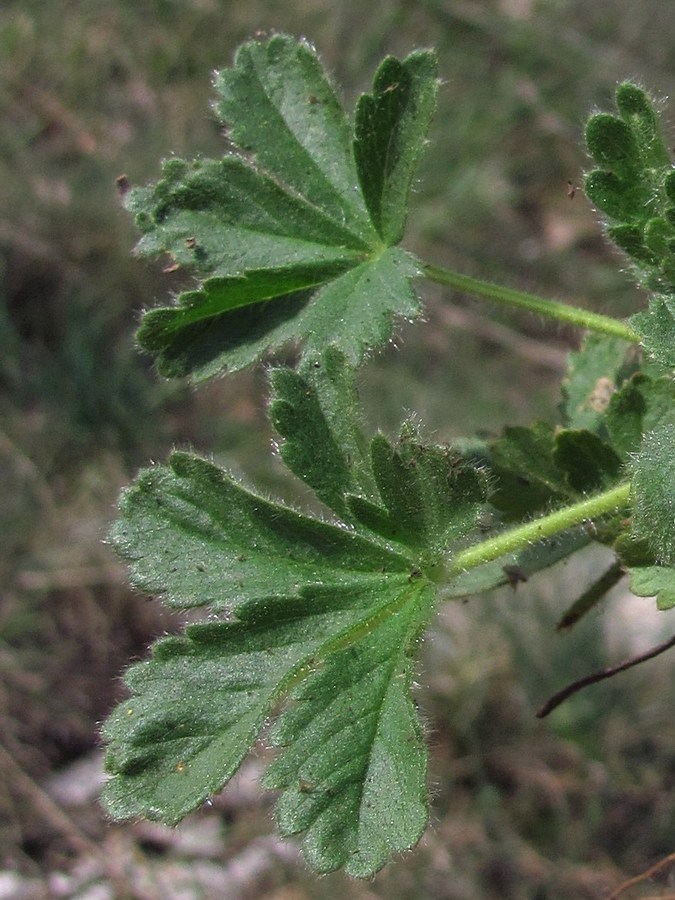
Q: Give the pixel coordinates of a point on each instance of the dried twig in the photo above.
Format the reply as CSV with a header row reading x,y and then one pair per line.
x,y
595,677
648,873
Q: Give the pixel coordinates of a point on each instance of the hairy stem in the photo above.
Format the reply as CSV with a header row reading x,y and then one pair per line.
x,y
571,315
519,537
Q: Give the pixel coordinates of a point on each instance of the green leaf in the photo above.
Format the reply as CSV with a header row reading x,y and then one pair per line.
x,y
638,110
527,477
315,411
197,537
319,615
288,246
641,405
594,373
390,130
653,489
654,581
611,142
353,764
198,705
633,187
280,106
625,416
422,496
656,327
588,462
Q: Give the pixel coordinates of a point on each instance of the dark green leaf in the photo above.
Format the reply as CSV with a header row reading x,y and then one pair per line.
x,y
197,706
526,476
315,412
423,496
197,537
632,187
611,143
641,405
390,130
280,231
279,105
589,463
310,611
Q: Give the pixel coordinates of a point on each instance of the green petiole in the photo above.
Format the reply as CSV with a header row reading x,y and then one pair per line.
x,y
519,537
571,315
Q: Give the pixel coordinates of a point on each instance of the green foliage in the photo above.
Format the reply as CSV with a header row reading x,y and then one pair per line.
x,y
311,612
635,189
315,621
294,233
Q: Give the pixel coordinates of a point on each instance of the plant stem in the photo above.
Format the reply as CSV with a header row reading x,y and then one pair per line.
x,y
519,537
572,315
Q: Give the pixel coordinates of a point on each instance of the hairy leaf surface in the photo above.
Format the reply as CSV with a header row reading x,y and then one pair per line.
x,y
654,492
293,234
315,614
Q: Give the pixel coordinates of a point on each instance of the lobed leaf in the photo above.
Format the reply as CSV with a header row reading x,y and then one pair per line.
x,y
422,496
293,232
315,411
527,478
320,616
631,187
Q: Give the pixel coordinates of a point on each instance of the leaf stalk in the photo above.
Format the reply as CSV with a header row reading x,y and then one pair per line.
x,y
563,312
521,536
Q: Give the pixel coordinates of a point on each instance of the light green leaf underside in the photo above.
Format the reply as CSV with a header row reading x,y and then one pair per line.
x,y
653,490
654,581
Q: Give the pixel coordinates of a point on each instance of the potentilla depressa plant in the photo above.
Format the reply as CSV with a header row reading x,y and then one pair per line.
x,y
311,625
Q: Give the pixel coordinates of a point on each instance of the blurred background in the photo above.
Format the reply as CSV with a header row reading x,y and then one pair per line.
x,y
522,810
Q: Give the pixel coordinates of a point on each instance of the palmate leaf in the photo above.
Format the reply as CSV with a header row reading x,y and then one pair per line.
x,y
293,234
320,616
